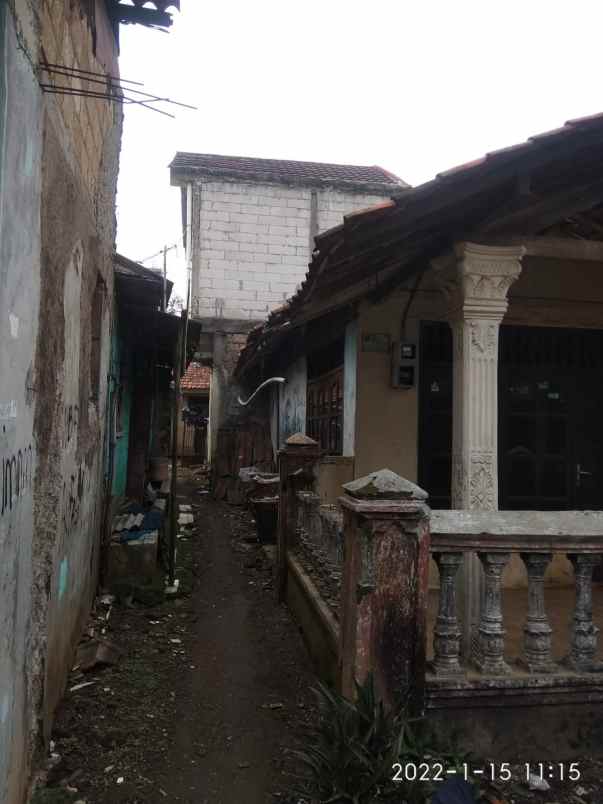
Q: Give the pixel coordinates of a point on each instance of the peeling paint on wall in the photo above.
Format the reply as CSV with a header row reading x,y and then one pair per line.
x,y
8,410
13,321
63,575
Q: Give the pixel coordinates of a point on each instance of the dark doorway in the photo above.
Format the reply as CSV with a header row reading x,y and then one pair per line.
x,y
435,412
550,417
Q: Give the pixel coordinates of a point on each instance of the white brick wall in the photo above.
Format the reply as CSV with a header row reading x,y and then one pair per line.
x,y
255,244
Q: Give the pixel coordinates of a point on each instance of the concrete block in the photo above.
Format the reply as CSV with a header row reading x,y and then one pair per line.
x,y
276,240
244,217
212,254
221,206
282,250
273,259
283,231
299,202
254,228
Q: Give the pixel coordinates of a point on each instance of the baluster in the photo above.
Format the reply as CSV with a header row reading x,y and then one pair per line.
x,y
583,632
446,632
537,630
490,648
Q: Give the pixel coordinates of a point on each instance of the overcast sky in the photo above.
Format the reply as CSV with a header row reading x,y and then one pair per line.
x,y
416,87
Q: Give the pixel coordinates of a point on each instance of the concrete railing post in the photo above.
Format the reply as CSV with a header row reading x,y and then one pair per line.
x,y
297,468
385,586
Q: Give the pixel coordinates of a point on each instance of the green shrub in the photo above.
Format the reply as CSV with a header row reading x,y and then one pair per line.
x,y
352,749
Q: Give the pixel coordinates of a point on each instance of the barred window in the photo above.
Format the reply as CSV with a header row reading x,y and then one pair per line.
x,y
325,411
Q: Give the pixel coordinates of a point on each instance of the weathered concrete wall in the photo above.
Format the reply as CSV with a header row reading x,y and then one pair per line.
x,y
58,170
223,405
253,244
19,295
80,163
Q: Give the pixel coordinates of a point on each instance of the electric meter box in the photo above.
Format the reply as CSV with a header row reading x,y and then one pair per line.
x,y
404,364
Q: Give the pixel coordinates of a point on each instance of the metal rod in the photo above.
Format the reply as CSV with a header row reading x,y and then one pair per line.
x,y
110,80
45,65
123,99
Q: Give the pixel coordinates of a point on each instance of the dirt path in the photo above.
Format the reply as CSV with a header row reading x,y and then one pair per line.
x,y
212,691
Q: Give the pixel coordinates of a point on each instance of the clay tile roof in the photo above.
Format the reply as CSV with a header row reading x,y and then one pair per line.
x,y
424,222
285,170
197,378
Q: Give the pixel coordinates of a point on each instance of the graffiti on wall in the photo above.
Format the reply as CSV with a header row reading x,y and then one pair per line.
x,y
16,478
71,417
74,488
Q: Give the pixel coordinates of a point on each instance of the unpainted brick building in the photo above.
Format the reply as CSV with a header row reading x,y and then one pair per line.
x,y
249,228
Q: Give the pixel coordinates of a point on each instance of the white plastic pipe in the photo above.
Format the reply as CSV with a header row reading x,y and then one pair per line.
x,y
259,388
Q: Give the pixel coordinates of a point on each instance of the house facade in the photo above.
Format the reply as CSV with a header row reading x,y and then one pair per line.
x,y
454,336
249,230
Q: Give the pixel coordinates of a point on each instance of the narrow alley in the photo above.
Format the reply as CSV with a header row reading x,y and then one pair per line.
x,y
211,691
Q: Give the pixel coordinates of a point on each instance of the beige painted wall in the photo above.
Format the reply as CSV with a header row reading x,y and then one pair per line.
x,y
386,417
333,472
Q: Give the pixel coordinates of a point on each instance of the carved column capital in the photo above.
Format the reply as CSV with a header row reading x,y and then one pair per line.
x,y
477,280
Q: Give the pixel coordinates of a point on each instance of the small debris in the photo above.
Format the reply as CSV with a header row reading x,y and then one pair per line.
x,y
107,600
537,783
120,780
244,764
581,791
81,686
97,652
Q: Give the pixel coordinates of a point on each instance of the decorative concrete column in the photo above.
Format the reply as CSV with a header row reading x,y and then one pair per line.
x,y
489,654
385,586
583,631
537,630
446,632
297,468
476,287
476,284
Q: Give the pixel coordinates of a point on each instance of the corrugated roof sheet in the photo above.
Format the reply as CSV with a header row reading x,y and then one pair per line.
x,y
285,170
197,378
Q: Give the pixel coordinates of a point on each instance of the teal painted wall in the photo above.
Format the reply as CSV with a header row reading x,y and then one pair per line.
x,y
121,408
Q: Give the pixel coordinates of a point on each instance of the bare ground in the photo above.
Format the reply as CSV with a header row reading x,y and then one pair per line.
x,y
211,693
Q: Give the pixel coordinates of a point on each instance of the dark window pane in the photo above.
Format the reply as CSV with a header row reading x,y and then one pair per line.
x,y
521,433
522,476
556,435
554,479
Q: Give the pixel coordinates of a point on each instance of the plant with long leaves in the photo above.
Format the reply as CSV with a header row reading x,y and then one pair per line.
x,y
351,751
